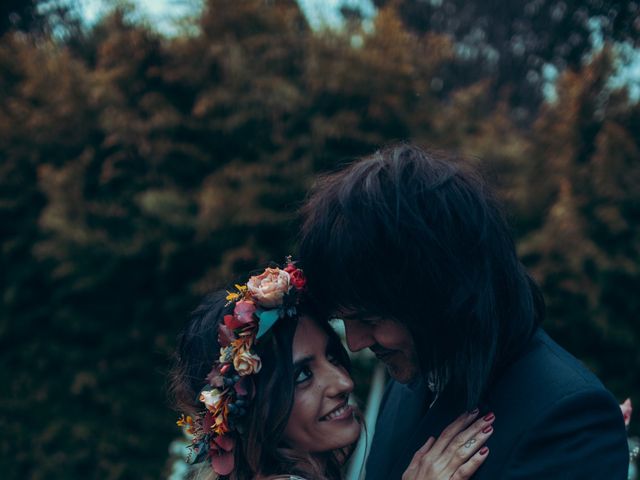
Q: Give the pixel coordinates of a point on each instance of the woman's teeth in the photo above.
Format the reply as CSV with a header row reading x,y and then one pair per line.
x,y
336,413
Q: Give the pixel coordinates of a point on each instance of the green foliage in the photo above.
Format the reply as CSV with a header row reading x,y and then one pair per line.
x,y
138,173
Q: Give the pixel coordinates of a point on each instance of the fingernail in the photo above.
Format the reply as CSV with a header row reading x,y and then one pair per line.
x,y
488,417
483,450
487,429
474,411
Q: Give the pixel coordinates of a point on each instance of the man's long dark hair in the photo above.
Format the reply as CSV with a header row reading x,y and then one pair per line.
x,y
418,238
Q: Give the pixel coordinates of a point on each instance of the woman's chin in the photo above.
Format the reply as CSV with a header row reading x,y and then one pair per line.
x,y
346,434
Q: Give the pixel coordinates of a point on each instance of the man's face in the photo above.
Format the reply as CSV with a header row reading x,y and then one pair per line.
x,y
390,341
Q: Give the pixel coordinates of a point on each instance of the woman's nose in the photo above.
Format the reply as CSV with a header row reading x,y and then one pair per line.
x,y
338,381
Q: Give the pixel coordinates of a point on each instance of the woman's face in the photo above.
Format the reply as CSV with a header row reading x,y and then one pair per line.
x,y
321,420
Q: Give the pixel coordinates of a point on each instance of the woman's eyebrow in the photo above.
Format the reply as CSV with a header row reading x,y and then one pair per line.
x,y
303,360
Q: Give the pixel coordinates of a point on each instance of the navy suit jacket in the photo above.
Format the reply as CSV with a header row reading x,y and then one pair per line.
x,y
554,420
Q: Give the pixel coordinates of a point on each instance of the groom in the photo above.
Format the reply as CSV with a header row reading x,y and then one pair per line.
x,y
412,252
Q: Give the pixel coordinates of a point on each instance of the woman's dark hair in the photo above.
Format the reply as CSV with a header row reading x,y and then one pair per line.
x,y
418,238
261,447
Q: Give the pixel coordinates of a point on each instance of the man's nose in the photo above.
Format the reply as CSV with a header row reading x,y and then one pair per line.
x,y
359,335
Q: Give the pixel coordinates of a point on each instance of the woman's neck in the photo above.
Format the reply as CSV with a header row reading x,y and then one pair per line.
x,y
319,461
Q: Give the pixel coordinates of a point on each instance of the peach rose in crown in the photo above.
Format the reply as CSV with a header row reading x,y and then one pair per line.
x,y
269,288
246,363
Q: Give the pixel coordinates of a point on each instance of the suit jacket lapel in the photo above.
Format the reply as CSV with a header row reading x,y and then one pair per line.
x,y
402,408
441,414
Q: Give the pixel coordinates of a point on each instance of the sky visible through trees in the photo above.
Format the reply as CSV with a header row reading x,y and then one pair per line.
x,y
166,16
163,12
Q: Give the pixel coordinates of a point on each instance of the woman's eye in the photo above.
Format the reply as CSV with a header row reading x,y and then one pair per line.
x,y
303,375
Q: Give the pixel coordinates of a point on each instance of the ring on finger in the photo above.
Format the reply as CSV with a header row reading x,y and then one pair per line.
x,y
469,443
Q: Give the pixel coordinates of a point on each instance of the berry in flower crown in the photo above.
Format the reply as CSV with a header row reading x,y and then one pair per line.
x,y
258,305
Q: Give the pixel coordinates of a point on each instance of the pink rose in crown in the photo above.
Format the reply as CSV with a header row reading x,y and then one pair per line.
x,y
627,410
269,288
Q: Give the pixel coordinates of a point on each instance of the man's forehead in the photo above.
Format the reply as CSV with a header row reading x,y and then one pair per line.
x,y
347,313
351,313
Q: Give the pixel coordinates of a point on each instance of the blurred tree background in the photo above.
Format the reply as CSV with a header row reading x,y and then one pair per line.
x,y
139,171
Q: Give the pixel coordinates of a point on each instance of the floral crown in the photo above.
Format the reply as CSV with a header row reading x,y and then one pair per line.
x,y
258,305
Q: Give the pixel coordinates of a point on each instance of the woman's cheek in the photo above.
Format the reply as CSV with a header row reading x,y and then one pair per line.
x,y
310,403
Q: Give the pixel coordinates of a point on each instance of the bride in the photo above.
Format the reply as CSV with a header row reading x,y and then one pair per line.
x,y
265,384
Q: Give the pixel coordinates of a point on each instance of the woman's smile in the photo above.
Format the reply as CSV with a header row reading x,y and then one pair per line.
x,y
321,418
341,412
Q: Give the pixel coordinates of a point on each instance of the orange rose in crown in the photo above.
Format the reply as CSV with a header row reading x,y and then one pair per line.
x,y
268,289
